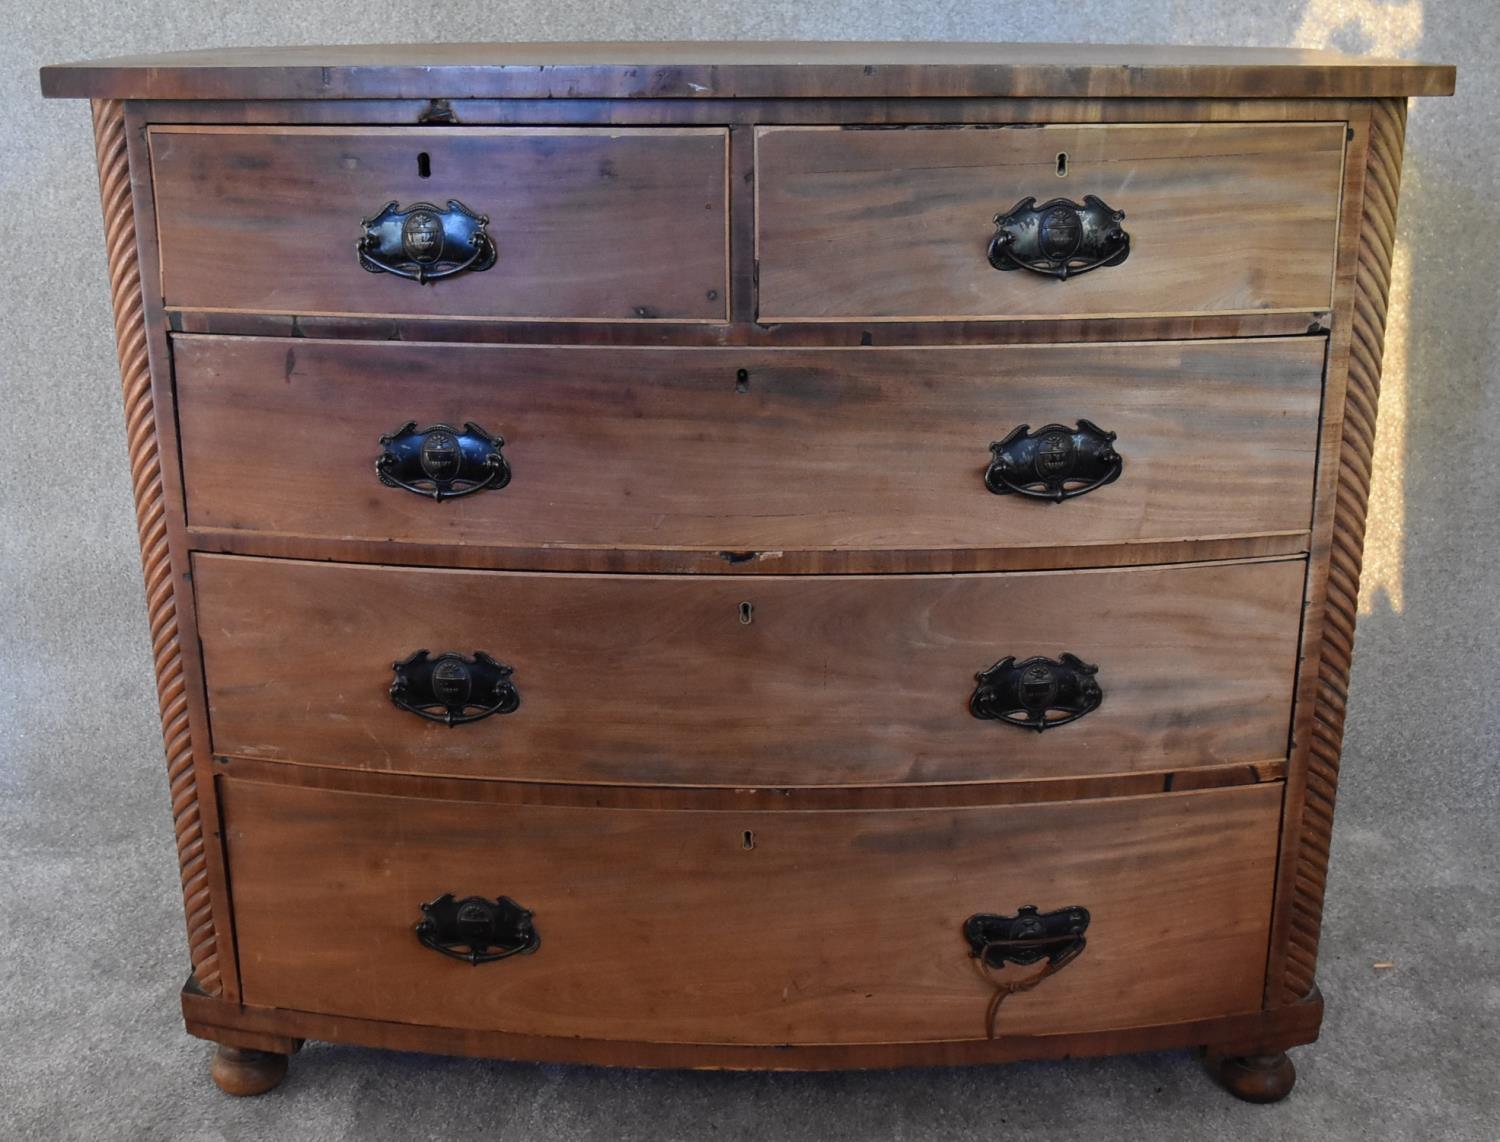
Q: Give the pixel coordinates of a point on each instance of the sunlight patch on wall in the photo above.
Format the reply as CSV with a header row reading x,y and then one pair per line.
x,y
1376,28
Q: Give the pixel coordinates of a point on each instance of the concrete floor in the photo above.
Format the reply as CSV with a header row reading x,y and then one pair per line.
x,y
92,950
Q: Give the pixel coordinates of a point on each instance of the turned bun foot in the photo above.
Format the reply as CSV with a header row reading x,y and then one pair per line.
x,y
242,1072
1254,1078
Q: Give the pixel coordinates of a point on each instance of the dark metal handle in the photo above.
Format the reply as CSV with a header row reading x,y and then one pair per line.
x,y
426,243
442,462
1028,936
1060,238
453,689
487,930
1054,463
1025,693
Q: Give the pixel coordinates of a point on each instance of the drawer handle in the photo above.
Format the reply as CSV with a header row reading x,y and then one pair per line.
x,y
487,930
1024,693
453,689
442,462
1053,463
426,243
1024,939
1060,238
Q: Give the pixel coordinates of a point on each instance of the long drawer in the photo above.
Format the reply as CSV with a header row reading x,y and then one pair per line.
x,y
583,223
755,681
762,927
737,449
897,224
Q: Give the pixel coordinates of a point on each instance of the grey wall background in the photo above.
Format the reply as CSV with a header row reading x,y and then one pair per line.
x,y
92,949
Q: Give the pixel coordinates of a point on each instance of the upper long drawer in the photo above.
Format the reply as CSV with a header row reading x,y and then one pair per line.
x,y
898,224
863,450
620,224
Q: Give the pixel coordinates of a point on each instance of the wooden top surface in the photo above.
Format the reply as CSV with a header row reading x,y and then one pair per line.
x,y
744,70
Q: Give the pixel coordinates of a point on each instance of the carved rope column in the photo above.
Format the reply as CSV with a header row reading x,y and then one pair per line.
x,y
145,475
1377,239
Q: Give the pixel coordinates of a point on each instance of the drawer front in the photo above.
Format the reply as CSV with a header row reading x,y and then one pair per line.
x,y
623,224
749,681
726,449
897,223
768,927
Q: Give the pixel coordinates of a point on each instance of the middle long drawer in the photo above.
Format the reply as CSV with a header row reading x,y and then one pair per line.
x,y
753,449
754,681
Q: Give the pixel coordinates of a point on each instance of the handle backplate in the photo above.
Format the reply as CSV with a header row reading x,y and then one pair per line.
x,y
1036,693
1060,238
442,462
453,689
426,243
1027,937
477,930
1053,463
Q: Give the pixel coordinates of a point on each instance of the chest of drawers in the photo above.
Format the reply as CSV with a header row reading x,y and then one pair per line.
x,y
775,556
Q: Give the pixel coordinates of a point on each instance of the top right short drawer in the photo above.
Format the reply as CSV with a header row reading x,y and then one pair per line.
x,y
901,224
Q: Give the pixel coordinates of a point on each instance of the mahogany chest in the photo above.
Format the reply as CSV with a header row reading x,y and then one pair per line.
x,y
797,556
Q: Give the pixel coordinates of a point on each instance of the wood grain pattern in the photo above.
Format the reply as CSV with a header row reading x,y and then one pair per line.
x,y
951,795
828,928
860,680
144,449
894,224
626,224
1313,825
738,450
743,69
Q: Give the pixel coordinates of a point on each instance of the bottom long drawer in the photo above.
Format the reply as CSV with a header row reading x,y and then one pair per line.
x,y
844,926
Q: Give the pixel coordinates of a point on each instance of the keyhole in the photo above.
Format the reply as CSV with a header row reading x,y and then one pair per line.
x,y
742,381
748,840
747,613
424,165
1062,164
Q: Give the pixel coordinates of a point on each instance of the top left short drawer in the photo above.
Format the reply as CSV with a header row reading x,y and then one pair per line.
x,y
586,223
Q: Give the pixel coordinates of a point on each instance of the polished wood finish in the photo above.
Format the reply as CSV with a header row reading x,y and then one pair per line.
x,y
833,680
859,941
743,69
1254,1078
885,225
244,1071
588,223
750,451
1265,632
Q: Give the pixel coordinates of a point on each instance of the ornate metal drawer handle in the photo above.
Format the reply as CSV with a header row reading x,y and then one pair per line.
x,y
1059,238
487,930
1026,938
1024,693
453,689
426,243
441,461
1054,463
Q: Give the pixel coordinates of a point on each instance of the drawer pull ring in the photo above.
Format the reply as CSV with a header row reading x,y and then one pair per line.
x,y
1060,238
426,243
453,689
1024,939
442,462
1025,693
486,930
1053,463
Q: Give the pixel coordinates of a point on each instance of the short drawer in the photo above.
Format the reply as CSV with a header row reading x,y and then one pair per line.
x,y
760,927
897,224
748,681
583,223
737,449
